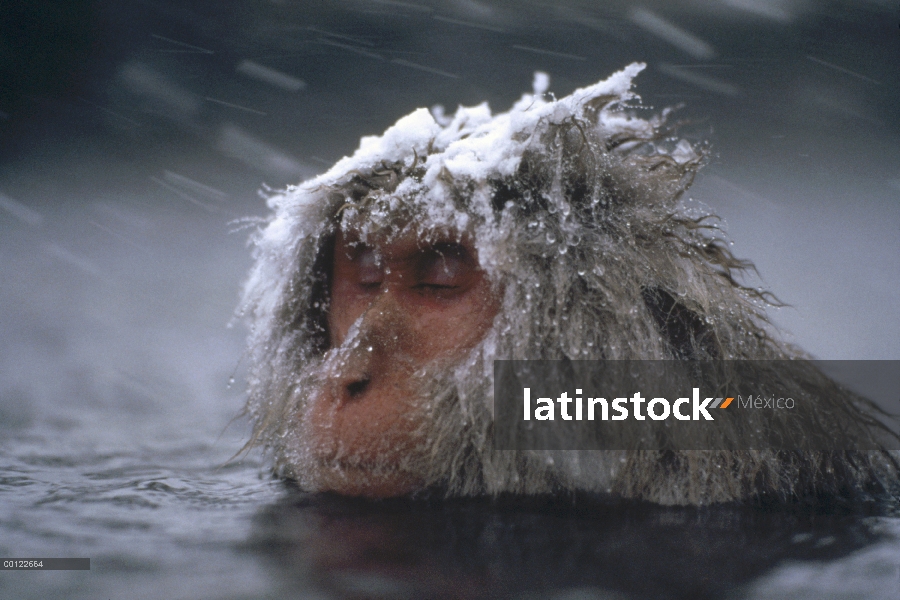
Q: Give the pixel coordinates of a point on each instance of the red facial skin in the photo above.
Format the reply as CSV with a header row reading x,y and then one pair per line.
x,y
419,304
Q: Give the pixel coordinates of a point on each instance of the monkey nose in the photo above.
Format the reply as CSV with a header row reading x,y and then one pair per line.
x,y
348,379
357,387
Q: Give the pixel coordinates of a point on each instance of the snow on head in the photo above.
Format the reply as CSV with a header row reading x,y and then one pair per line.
x,y
476,144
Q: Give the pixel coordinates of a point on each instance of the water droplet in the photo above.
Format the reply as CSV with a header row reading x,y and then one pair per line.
x,y
369,349
550,237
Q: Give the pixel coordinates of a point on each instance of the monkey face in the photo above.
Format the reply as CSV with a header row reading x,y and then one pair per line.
x,y
398,307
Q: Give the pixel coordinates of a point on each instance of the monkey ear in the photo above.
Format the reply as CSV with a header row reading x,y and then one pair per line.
x,y
686,334
308,313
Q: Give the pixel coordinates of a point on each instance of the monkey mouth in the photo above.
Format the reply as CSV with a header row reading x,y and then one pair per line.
x,y
345,464
365,478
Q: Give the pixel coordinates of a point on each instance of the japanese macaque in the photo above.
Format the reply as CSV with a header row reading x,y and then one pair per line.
x,y
385,288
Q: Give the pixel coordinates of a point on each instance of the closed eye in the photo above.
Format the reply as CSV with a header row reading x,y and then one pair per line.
x,y
444,267
435,286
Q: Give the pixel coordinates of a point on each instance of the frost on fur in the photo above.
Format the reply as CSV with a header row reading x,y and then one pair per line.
x,y
573,208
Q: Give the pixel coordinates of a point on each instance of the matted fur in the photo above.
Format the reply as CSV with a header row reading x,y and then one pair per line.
x,y
578,226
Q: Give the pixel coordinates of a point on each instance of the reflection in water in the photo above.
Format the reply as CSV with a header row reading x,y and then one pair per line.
x,y
542,547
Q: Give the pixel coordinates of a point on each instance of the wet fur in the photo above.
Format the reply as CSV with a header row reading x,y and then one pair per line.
x,y
594,259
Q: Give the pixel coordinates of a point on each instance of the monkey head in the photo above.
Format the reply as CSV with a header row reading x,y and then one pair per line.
x,y
384,289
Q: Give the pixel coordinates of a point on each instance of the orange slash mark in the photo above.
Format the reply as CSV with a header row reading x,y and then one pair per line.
x,y
726,403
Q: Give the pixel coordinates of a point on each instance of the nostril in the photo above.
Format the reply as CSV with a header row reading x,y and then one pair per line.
x,y
358,387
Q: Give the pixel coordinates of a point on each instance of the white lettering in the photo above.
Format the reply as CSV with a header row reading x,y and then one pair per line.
x,y
564,401
677,411
700,408
545,413
527,404
619,407
603,404
666,409
637,401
